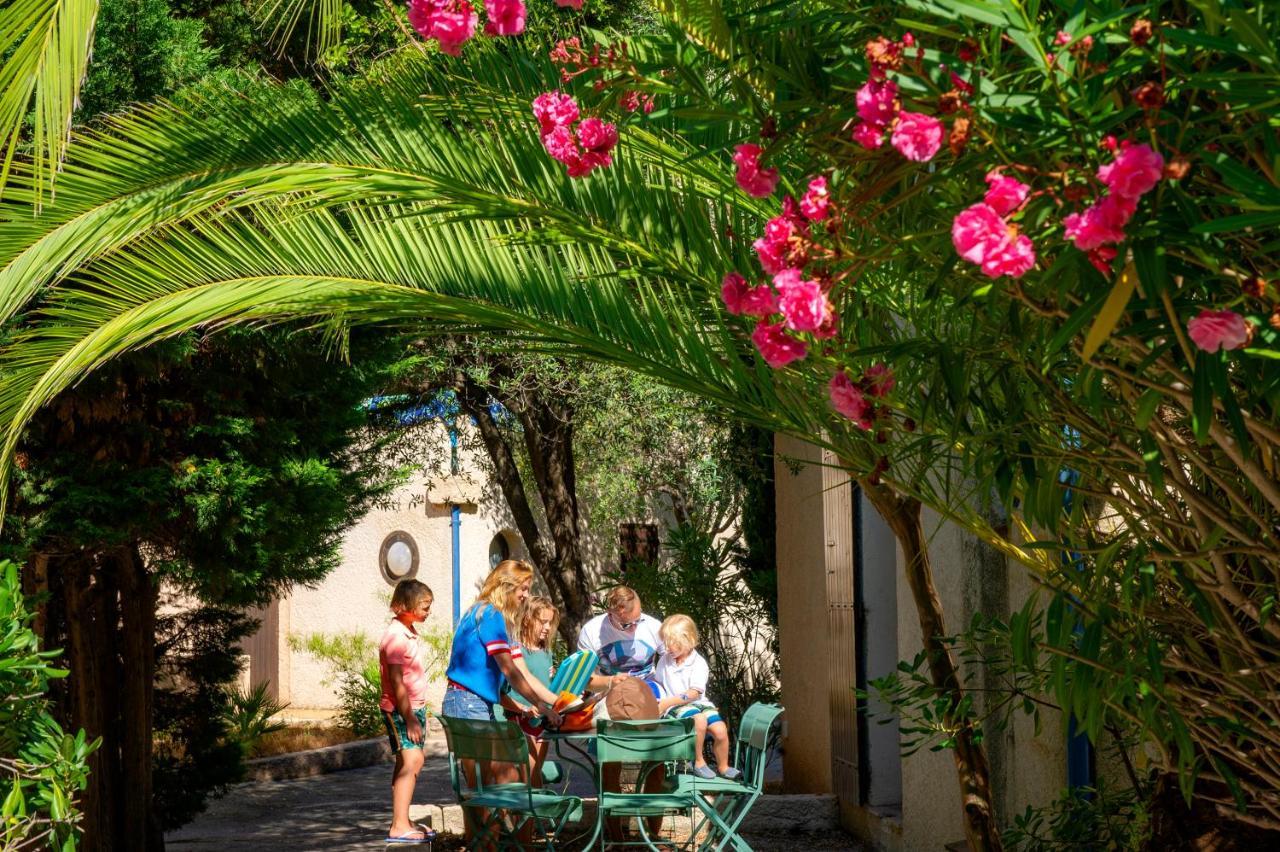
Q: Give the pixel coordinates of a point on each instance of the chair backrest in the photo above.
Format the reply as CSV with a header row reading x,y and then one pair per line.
x,y
574,672
756,739
484,739
653,741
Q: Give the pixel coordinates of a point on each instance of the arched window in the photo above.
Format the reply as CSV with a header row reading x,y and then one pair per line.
x,y
398,557
499,549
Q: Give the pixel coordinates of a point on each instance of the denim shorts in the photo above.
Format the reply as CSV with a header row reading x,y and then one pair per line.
x,y
398,734
464,704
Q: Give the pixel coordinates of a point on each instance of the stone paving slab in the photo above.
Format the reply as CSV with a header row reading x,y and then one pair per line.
x,y
350,810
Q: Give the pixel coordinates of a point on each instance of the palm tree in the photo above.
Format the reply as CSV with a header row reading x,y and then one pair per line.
x,y
442,212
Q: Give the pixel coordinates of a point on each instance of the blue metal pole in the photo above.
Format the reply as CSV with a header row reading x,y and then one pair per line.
x,y
455,524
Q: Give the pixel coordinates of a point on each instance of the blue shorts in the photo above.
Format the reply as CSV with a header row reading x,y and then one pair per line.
x,y
398,734
465,704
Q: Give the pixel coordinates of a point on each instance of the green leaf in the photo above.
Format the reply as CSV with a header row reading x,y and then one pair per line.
x,y
1202,397
1146,407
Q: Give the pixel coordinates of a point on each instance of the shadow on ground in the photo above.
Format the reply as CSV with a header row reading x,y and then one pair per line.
x,y
351,810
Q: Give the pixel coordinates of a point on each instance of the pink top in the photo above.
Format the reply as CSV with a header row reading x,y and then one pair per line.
x,y
401,646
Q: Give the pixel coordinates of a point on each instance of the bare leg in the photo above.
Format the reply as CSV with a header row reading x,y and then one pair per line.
x,y
612,777
653,784
720,735
700,739
404,777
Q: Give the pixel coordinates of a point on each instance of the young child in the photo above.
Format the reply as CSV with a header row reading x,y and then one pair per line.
x,y
401,670
681,676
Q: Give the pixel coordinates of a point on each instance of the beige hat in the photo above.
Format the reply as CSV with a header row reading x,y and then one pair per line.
x,y
632,698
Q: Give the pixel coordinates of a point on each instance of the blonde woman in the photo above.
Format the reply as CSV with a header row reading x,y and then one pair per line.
x,y
483,653
484,656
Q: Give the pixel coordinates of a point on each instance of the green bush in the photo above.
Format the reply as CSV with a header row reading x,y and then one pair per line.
x,y
353,659
42,767
249,716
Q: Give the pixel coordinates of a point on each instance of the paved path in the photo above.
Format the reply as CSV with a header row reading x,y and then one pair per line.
x,y
350,810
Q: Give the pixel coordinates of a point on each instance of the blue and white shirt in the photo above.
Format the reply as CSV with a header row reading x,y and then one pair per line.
x,y
620,652
481,635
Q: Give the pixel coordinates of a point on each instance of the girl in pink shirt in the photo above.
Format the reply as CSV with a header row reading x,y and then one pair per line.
x,y
402,672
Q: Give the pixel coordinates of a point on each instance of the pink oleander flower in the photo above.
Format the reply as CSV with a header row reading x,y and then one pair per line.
x,y
1214,330
561,145
829,328
772,256
776,346
879,380
1014,259
733,289
588,162
760,301
569,4
1005,194
506,17
1100,223
597,135
554,109
816,203
452,28
869,136
978,231
1101,258
916,136
422,15
773,248
1134,172
848,399
877,102
1063,37
803,304
754,180
791,210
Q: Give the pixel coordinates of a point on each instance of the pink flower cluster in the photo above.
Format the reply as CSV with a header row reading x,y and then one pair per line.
x,y
582,151
857,401
982,233
1133,173
801,301
756,181
914,135
450,22
1212,330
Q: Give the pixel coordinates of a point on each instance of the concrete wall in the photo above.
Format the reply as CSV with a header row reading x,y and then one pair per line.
x,y
1026,769
802,623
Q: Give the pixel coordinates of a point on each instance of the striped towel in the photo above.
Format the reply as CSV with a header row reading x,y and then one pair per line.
x,y
574,673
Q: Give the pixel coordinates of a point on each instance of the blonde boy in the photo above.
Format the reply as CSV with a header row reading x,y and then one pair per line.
x,y
681,676
402,672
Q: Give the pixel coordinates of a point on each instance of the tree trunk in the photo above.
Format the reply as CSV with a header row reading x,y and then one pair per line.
x,y
903,517
557,556
138,665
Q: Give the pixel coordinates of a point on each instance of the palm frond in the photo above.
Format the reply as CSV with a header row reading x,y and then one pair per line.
x,y
46,44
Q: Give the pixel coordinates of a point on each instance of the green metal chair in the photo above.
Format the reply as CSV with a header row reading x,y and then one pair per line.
x,y
650,743
498,812
758,737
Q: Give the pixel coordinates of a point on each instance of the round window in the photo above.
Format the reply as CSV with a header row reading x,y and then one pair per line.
x,y
398,558
498,550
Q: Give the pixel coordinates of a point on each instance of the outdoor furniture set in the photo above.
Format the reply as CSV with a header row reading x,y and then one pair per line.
x,y
501,814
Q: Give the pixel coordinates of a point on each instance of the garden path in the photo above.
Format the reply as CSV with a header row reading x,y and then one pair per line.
x,y
348,810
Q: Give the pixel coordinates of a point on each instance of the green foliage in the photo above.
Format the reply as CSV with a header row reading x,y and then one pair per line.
x,y
1081,818
251,715
42,768
353,662
196,753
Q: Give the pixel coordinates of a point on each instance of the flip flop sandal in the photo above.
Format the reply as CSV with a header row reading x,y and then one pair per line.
x,y
417,836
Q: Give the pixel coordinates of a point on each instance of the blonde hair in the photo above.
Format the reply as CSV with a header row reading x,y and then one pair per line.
x,y
620,597
679,631
532,610
408,594
499,590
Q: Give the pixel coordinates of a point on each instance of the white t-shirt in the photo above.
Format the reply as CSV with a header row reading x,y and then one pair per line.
x,y
621,652
675,678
